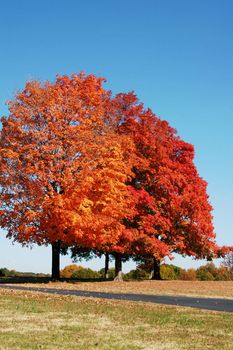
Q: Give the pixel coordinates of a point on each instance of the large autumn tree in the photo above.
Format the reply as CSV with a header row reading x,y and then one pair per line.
x,y
63,169
173,213
80,167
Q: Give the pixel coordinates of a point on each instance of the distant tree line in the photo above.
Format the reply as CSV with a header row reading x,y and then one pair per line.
x,y
208,272
4,272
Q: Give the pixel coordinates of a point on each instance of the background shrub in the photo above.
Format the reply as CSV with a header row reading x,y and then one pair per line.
x,y
85,273
223,274
137,274
188,275
68,271
111,273
167,272
4,272
204,275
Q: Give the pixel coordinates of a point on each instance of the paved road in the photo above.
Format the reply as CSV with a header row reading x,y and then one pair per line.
x,y
200,303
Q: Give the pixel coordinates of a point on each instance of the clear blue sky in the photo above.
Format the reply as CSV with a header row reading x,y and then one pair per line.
x,y
176,55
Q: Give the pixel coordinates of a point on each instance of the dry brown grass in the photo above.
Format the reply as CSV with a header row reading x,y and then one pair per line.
x,y
32,320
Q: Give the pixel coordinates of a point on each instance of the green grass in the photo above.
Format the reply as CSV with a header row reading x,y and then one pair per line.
x,y
36,321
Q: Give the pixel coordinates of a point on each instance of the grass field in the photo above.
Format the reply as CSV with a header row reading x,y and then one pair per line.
x,y
41,321
223,289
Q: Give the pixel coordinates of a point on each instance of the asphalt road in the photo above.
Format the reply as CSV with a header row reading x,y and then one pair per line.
x,y
199,303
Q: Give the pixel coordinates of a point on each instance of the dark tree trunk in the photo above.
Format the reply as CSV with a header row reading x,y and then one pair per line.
x,y
106,267
56,246
156,270
118,267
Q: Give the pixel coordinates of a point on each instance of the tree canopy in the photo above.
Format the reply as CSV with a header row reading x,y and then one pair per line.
x,y
83,167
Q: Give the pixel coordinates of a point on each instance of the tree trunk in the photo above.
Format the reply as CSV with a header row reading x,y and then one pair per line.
x,y
118,267
56,261
106,267
156,270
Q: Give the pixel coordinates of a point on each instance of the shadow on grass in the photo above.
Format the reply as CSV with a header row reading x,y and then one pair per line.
x,y
31,279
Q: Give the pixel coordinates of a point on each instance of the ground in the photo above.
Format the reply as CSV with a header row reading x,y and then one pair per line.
x,y
41,321
223,289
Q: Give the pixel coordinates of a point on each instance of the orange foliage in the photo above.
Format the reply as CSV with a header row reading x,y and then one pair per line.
x,y
188,275
63,167
68,271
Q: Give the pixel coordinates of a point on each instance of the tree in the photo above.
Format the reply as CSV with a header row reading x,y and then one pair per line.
x,y
228,262
63,167
68,270
173,213
80,167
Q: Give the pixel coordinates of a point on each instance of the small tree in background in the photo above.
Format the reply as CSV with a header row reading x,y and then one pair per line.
x,y
203,274
168,272
68,271
223,274
228,261
188,275
85,274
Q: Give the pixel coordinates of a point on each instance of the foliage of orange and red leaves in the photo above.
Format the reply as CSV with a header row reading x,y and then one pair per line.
x,y
173,211
83,167
63,168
